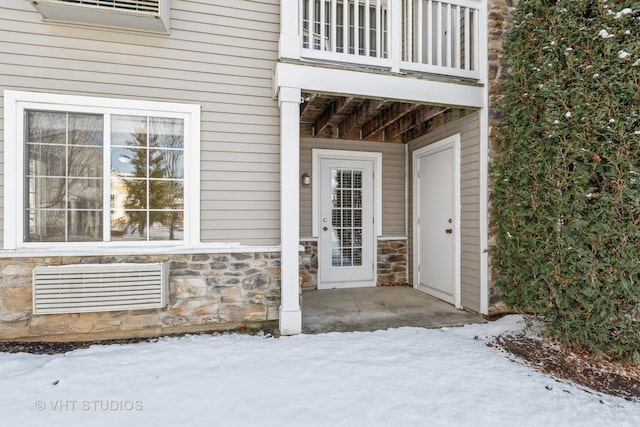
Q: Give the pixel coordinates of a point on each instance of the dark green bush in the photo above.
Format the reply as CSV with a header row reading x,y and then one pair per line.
x,y
566,172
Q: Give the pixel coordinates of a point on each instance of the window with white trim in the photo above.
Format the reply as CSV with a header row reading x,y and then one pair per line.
x,y
100,170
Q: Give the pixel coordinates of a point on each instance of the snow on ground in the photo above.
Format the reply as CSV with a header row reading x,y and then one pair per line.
x,y
397,377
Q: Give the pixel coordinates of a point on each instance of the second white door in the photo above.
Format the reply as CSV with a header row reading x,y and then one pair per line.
x,y
436,227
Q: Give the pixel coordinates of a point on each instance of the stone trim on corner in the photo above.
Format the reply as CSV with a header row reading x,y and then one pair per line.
x,y
392,262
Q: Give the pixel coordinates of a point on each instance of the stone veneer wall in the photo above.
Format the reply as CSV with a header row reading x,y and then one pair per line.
x,y
207,292
392,263
500,21
309,265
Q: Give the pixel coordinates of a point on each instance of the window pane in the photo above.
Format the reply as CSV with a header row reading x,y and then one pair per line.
x,y
46,193
63,185
85,226
85,129
169,162
129,130
85,161
46,160
166,132
133,161
346,218
45,127
136,193
164,226
166,195
147,184
85,193
171,227
46,226
128,225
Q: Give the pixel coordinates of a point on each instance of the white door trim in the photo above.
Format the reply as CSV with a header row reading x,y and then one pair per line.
x,y
318,155
451,141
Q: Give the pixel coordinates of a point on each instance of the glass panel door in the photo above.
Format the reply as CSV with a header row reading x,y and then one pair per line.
x,y
346,217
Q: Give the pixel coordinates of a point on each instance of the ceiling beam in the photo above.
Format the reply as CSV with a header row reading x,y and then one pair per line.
x,y
360,116
306,105
395,112
411,120
328,116
436,121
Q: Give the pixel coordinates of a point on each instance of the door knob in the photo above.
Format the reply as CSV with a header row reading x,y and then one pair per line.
x,y
449,230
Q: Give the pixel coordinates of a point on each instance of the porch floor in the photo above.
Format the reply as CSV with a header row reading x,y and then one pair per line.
x,y
383,307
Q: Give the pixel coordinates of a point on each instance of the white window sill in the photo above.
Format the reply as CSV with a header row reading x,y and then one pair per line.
x,y
102,250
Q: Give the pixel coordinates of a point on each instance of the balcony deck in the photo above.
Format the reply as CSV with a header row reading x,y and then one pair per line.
x,y
382,70
424,36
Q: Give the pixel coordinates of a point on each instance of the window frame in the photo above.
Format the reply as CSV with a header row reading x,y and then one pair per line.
x,y
15,105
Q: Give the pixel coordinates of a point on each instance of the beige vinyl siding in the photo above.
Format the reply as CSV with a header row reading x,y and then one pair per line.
x,y
2,179
469,130
219,55
393,181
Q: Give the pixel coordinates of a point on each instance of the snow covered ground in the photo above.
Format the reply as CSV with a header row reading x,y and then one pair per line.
x,y
398,377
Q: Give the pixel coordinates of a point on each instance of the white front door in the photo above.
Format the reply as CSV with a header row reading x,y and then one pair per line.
x,y
346,234
436,220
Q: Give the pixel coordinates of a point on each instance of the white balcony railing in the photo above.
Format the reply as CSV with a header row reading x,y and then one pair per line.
x,y
429,36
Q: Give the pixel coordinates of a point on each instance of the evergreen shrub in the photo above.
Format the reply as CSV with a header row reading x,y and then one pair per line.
x,y
565,174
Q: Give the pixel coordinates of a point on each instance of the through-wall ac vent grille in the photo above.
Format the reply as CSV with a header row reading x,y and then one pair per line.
x,y
151,6
141,15
83,288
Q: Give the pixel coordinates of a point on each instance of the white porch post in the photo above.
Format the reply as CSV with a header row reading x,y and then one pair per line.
x,y
483,67
290,313
290,42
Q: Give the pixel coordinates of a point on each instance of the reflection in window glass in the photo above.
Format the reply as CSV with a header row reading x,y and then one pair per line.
x,y
64,174
346,218
147,186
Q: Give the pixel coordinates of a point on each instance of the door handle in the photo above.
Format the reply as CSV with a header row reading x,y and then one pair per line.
x,y
449,230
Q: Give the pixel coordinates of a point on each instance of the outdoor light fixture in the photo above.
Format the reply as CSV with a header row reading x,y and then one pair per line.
x,y
305,179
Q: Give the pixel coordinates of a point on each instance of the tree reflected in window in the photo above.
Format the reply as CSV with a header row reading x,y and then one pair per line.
x,y
151,185
64,180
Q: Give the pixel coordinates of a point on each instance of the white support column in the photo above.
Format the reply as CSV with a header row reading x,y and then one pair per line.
x,y
290,313
290,42
483,66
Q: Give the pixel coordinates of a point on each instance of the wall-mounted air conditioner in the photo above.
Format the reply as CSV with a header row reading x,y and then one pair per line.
x,y
142,15
82,288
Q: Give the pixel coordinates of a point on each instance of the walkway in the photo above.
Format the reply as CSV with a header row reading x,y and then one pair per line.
x,y
383,307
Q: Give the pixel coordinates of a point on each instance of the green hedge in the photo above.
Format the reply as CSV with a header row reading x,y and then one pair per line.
x,y
565,172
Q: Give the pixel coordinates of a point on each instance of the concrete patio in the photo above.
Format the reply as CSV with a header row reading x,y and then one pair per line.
x,y
369,309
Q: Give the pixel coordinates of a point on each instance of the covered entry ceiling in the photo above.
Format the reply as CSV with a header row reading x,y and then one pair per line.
x,y
351,118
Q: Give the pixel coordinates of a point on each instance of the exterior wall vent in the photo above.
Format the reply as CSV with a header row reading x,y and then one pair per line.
x,y
142,15
86,288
